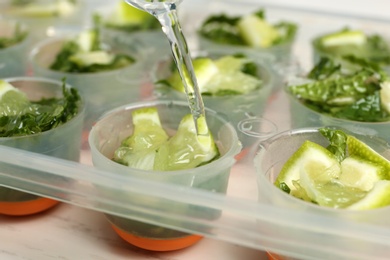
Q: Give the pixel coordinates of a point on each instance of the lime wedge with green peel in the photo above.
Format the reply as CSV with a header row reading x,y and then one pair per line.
x,y
89,58
66,7
44,9
232,84
204,69
313,174
230,63
361,174
130,14
88,40
385,95
230,78
12,100
322,187
219,77
344,38
148,131
186,149
359,181
130,19
256,32
378,196
361,150
139,150
311,153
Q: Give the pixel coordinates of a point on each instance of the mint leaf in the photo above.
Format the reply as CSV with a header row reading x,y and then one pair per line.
x,y
222,28
43,115
337,140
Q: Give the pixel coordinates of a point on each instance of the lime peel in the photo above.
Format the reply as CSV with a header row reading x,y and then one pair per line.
x,y
86,39
128,14
344,38
310,179
385,95
150,148
185,150
12,100
379,196
218,76
60,8
361,174
257,32
362,150
139,149
94,57
309,151
5,87
203,133
205,69
360,181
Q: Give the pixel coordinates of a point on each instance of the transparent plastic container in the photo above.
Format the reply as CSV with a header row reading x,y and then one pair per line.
x,y
272,155
319,51
245,226
244,111
13,60
271,158
102,90
153,41
61,142
115,126
45,20
302,116
283,53
280,52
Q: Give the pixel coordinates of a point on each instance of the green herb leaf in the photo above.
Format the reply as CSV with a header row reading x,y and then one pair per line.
x,y
347,87
18,36
375,49
337,140
66,63
223,29
42,115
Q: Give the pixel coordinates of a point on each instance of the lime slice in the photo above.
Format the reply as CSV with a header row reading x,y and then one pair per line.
x,y
230,63
139,150
321,185
130,14
125,14
66,7
186,149
308,153
12,100
86,40
55,8
378,196
220,77
232,84
204,69
344,38
230,78
359,149
360,181
312,174
89,58
361,174
385,95
256,32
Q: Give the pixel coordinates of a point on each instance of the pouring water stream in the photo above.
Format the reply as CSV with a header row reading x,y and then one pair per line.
x,y
166,13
